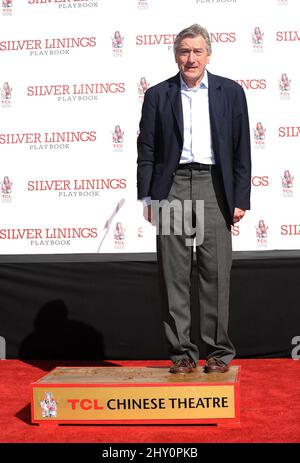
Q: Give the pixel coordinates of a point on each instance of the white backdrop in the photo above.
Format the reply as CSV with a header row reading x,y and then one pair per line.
x,y
71,99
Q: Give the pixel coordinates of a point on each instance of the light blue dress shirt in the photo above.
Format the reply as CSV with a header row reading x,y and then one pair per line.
x,y
196,124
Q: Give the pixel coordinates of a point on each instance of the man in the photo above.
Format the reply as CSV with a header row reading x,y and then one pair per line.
x,y
194,146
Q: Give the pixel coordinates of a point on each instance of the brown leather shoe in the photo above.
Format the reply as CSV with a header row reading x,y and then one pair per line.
x,y
185,365
215,365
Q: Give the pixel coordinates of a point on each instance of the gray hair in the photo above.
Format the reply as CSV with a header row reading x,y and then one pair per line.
x,y
193,31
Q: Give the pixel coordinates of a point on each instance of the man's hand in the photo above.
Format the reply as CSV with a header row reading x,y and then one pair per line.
x,y
147,212
238,214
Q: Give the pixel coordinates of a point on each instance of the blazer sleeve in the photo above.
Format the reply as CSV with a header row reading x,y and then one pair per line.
x,y
241,152
146,144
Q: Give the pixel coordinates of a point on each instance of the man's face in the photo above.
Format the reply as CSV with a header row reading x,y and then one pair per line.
x,y
192,58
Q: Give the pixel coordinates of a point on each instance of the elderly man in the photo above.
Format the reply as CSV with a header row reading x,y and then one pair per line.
x,y
194,146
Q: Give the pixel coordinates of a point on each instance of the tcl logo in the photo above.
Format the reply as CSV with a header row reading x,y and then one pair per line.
x,y
258,180
85,404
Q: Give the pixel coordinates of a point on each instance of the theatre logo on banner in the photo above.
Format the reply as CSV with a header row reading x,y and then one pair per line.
x,y
7,7
6,95
6,189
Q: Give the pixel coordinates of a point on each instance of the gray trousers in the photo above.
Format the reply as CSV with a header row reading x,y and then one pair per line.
x,y
214,257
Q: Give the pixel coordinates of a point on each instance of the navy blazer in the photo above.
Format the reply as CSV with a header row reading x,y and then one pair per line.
x,y
160,140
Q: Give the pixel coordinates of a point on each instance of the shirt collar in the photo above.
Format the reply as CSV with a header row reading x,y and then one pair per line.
x,y
203,83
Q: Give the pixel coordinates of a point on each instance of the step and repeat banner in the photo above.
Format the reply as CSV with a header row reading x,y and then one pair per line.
x,y
73,74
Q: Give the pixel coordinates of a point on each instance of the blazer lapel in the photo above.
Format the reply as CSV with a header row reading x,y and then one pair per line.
x,y
175,100
216,101
216,110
